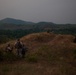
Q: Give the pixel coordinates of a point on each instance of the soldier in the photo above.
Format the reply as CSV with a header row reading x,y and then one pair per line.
x,y
9,48
18,46
24,50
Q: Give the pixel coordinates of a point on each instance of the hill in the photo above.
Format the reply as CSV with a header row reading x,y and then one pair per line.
x,y
48,54
14,21
15,24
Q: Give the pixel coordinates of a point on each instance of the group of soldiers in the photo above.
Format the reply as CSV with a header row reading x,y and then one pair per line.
x,y
20,47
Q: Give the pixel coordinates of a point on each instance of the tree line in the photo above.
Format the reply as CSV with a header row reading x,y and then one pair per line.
x,y
6,35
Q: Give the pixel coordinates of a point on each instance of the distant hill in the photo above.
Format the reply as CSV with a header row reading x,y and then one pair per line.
x,y
14,21
11,24
14,24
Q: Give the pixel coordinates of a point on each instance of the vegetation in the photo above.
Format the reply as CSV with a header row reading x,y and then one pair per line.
x,y
7,35
48,54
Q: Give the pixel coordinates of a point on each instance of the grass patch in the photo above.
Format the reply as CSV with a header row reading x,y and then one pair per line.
x,y
45,53
74,53
10,56
7,56
32,58
4,70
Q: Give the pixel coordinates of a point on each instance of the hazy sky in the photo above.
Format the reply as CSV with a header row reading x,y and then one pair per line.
x,y
57,11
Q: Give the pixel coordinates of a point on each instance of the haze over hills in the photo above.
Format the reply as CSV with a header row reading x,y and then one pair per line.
x,y
14,24
10,23
17,21
14,21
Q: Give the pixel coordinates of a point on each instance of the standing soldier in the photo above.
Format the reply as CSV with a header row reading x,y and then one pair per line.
x,y
18,46
24,50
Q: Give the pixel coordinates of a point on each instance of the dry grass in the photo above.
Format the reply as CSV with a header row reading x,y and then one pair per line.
x,y
48,54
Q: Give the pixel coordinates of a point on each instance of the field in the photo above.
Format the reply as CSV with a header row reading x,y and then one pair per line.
x,y
48,54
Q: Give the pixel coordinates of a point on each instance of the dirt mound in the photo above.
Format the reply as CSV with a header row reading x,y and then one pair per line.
x,y
54,40
64,38
57,43
45,37
39,37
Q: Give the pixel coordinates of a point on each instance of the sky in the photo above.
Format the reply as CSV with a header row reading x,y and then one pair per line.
x,y
56,11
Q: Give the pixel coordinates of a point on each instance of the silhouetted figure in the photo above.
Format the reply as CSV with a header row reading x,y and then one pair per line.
x,y
24,50
9,48
18,46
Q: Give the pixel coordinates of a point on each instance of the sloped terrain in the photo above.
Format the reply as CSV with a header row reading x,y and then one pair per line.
x,y
48,54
